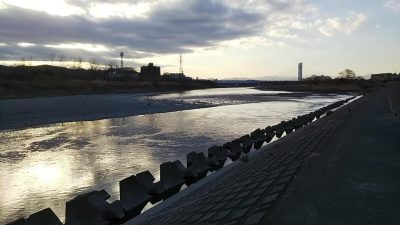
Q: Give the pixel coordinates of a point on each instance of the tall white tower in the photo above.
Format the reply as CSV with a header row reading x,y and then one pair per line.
x,y
300,72
122,59
180,64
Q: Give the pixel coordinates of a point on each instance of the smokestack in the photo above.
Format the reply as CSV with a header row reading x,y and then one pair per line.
x,y
300,72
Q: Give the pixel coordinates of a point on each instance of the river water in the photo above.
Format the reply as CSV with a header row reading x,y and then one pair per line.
x,y
46,166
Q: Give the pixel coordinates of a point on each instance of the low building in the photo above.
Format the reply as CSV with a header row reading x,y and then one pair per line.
x,y
150,72
175,76
125,73
384,76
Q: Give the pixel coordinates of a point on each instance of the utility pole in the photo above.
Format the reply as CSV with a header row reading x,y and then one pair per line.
x,y
122,61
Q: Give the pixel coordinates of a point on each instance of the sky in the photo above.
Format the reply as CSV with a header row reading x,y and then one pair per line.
x,y
219,39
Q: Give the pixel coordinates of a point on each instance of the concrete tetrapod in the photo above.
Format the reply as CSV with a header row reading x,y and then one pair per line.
x,y
134,195
43,217
92,208
173,176
234,149
279,129
219,154
198,164
269,134
258,138
288,127
247,143
154,189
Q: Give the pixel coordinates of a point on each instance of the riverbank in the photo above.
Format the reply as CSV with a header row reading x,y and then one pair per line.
x,y
11,89
326,86
28,112
50,81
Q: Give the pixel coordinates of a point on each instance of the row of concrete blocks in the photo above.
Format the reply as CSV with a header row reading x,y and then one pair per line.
x,y
138,190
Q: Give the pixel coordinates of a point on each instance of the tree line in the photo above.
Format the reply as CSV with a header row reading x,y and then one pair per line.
x,y
71,62
347,74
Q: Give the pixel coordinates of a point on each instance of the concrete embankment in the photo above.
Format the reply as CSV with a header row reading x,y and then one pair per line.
x,y
341,169
137,190
247,193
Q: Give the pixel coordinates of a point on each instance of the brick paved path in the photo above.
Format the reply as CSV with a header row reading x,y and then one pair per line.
x,y
247,193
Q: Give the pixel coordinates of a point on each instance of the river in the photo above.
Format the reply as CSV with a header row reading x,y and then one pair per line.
x,y
48,165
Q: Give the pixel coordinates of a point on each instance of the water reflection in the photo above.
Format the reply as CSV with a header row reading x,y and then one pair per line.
x,y
46,166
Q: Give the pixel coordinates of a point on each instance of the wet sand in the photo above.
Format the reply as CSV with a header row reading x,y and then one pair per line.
x,y
30,112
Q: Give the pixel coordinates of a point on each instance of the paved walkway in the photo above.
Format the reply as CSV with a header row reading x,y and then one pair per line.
x,y
340,169
355,176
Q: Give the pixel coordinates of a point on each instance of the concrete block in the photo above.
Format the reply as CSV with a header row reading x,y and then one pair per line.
x,y
197,163
134,195
91,208
247,143
219,154
235,150
173,176
258,138
43,217
155,189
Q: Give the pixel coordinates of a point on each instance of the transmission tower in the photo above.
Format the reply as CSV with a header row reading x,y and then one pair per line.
x,y
180,64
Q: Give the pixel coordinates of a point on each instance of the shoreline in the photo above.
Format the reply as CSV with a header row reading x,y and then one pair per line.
x,y
25,113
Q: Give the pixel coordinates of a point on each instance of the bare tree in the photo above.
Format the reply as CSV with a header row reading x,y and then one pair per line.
x,y
62,59
29,61
76,63
24,61
112,64
21,61
93,65
51,58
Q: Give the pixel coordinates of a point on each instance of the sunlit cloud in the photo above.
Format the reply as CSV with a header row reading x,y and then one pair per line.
x,y
348,25
2,44
25,44
106,10
282,33
53,7
299,25
86,47
393,5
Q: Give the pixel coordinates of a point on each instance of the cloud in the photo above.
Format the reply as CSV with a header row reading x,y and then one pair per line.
x,y
156,27
53,7
393,5
168,29
336,25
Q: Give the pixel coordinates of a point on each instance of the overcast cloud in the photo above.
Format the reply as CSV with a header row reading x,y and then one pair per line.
x,y
169,27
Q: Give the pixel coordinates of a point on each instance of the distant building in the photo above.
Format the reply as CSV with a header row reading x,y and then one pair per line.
x,y
176,76
125,73
300,72
384,76
150,72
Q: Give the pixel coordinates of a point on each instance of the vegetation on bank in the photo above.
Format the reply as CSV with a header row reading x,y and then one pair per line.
x,y
321,86
347,81
33,81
